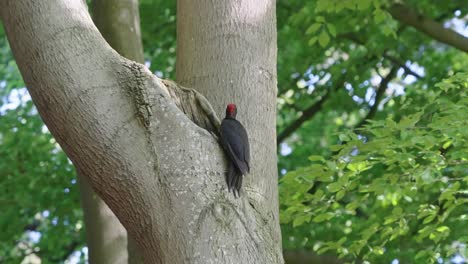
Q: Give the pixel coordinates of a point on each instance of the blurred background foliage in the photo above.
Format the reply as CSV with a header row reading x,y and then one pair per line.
x,y
372,137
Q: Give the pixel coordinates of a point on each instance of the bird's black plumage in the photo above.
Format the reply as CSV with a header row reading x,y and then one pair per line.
x,y
235,142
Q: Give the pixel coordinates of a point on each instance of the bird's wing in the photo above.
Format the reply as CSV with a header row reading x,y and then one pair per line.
x,y
244,138
236,144
246,149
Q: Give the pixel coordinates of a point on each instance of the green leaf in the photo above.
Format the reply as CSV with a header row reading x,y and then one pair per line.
x,y
323,38
344,137
379,15
378,250
331,29
410,120
301,220
340,194
363,4
443,229
358,166
313,28
320,19
429,218
397,211
312,41
390,219
334,187
323,217
447,144
388,30
316,158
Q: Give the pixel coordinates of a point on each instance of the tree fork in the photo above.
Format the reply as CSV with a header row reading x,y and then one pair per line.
x,y
142,154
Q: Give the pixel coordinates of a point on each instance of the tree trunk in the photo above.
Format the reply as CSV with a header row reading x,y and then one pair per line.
x,y
227,51
119,24
106,238
161,173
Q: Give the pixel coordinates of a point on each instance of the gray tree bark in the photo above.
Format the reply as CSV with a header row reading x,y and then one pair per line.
x,y
106,238
160,173
119,24
227,51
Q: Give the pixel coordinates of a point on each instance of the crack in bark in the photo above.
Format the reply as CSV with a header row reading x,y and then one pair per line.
x,y
139,93
195,106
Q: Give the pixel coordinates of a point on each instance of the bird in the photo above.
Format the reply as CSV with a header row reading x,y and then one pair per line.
x,y
235,142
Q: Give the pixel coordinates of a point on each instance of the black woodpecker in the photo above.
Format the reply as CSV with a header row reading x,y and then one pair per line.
x,y
235,142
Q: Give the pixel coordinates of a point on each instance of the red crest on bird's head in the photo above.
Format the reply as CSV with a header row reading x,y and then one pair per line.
x,y
231,107
231,110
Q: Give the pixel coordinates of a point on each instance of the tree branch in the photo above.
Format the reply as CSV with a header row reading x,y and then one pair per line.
x,y
119,24
110,115
429,27
378,96
307,114
353,37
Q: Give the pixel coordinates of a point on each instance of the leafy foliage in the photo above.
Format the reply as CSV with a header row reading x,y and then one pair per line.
x,y
321,207
159,36
351,66
395,189
38,192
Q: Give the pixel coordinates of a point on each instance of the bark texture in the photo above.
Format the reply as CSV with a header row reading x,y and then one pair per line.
x,y
159,172
119,23
227,51
106,238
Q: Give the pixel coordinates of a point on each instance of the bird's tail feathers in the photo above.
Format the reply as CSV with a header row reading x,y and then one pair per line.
x,y
234,180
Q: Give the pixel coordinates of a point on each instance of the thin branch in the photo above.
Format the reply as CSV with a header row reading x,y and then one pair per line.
x,y
353,37
33,226
378,96
307,114
401,64
429,27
